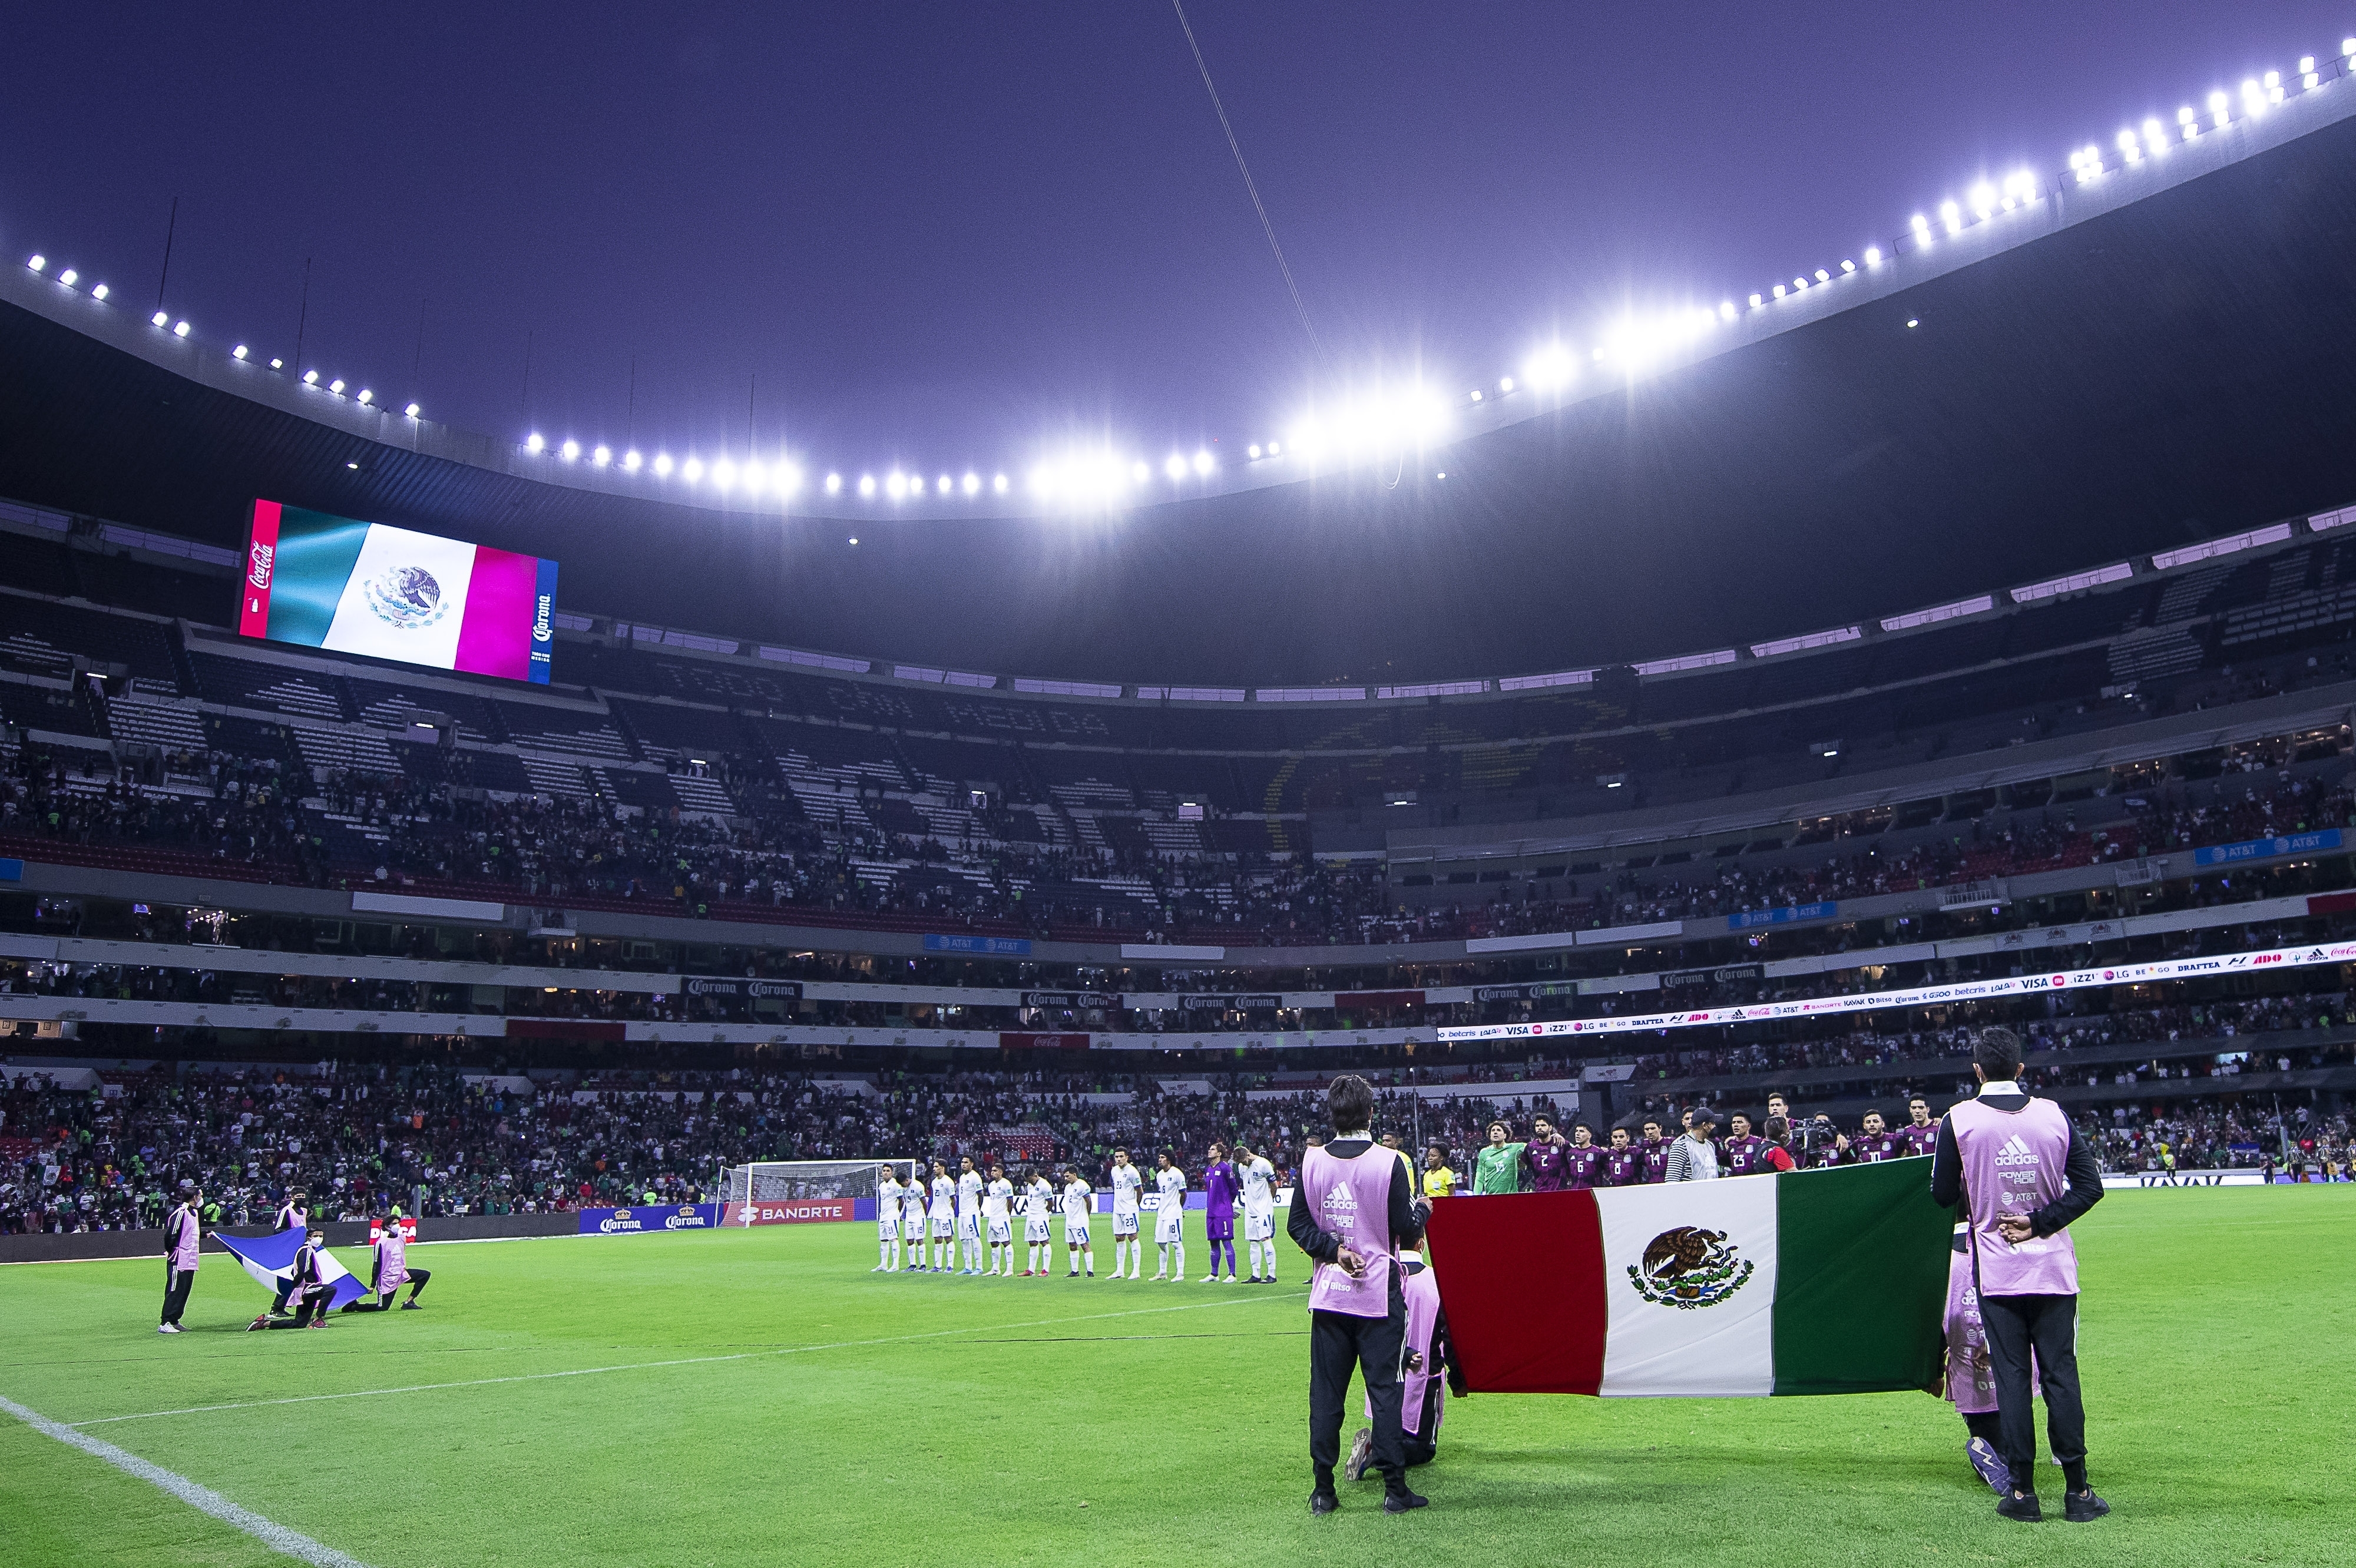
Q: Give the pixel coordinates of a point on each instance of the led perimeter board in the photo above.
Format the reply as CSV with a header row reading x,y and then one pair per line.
x,y
329,582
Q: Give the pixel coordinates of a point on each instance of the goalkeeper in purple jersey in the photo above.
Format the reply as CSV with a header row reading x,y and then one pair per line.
x,y
1921,1133
1623,1165
1743,1149
1874,1143
1582,1162
1653,1154
1544,1154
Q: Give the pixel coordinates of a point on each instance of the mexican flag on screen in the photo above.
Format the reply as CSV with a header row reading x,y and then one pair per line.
x,y
1807,1283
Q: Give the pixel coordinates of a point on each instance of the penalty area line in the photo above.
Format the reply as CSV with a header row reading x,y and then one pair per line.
x,y
683,1360
275,1536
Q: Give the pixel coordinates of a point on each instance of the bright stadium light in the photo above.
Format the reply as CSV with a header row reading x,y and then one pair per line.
x,y
1252,451
2130,147
1780,291
867,485
943,485
834,484
631,460
2154,136
693,469
531,443
337,387
998,484
972,483
2219,112
1552,368
1175,467
1984,201
1822,277
179,329
896,485
2273,87
752,475
67,277
37,263
98,292
1505,384
1138,472
277,364
1274,449
2188,122
662,465
602,456
1756,301
368,397
569,451
787,477
2308,78
1799,283
1204,461
1476,394
723,474
1922,227
1873,255
159,320
1951,216
2253,98
238,353
411,412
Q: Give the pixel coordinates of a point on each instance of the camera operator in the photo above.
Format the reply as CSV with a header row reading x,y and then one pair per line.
x,y
1815,1142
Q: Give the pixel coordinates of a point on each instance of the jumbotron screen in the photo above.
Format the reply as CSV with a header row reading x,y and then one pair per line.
x,y
331,582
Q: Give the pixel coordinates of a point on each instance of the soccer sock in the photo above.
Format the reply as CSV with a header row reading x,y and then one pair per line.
x,y
1178,1259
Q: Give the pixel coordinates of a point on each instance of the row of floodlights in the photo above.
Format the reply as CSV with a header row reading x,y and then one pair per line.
x,y
1389,421
68,278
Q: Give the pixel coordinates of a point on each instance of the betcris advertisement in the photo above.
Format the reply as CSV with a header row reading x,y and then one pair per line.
x,y
322,581
651,1218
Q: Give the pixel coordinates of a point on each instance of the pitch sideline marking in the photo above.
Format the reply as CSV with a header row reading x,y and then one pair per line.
x,y
275,1536
681,1361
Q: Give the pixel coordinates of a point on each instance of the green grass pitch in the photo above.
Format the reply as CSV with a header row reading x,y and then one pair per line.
x,y
759,1398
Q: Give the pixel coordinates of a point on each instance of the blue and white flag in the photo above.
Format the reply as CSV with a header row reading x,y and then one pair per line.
x,y
271,1260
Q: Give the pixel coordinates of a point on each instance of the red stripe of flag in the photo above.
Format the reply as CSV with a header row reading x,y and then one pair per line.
x,y
1521,1279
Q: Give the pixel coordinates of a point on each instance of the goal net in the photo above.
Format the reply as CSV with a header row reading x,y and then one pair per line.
x,y
805,1181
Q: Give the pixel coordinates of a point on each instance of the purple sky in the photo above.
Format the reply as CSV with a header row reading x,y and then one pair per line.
x,y
956,235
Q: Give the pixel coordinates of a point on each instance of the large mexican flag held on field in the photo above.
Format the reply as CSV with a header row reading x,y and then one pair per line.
x,y
1826,1282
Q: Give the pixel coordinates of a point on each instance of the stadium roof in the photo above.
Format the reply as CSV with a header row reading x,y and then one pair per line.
x,y
2161,353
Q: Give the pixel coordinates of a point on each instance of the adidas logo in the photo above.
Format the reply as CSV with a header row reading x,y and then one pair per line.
x,y
1340,1198
2016,1153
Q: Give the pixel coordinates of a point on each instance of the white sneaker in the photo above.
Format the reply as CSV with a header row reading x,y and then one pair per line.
x,y
167,1328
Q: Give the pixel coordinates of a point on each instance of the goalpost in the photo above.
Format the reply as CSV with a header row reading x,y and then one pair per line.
x,y
796,1181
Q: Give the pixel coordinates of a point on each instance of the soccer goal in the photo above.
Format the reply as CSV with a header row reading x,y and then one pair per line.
x,y
799,1181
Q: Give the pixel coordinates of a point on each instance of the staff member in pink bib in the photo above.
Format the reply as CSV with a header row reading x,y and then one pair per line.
x,y
183,1231
1353,1196
2017,1165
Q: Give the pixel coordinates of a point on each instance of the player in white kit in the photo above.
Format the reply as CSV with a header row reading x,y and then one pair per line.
x,y
1170,1220
914,1200
1038,1204
944,1218
1259,1212
1127,1186
969,1217
1079,1202
998,1213
887,1223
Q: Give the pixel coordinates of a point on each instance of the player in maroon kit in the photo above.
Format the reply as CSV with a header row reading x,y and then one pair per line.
x,y
1622,1166
1654,1153
1872,1144
1921,1134
1741,1156
1582,1161
1544,1154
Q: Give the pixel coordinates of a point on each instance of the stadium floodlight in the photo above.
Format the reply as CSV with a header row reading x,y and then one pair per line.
x,y
867,485
1984,200
1505,384
1138,472
1476,394
66,277
2189,120
1552,368
972,483
1822,277
336,386
723,473
998,484
159,320
1274,449
1204,461
99,291
631,461
789,476
1873,255
1175,467
2348,48
366,397
37,263
2218,109
179,329
1951,216
752,475
834,484
662,465
277,364
238,353
1799,283
411,412
531,443
2022,186
693,469
896,485
1922,227
1756,301
2130,147
2273,87
602,456
2308,78
2154,136
1780,291
854,539
943,485
2253,98
1252,451
1847,265
569,451
311,379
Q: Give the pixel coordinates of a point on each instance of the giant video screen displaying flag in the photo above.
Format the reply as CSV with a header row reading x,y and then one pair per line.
x,y
363,587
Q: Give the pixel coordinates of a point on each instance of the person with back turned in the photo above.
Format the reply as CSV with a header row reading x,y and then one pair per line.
x,y
2021,1172
1352,1200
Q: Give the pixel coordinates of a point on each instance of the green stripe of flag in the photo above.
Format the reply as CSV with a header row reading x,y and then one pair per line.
x,y
1861,1279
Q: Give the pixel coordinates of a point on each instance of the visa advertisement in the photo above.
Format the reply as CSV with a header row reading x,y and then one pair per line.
x,y
322,581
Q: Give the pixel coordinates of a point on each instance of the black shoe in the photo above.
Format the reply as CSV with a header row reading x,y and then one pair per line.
x,y
1324,1502
1400,1502
2021,1506
2082,1508
409,1306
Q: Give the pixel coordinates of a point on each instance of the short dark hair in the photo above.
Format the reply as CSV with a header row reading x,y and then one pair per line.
x,y
1997,1052
1418,1215
1777,1129
1349,1104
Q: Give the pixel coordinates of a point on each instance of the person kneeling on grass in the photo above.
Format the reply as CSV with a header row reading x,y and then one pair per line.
x,y
390,1270
1422,1395
308,1291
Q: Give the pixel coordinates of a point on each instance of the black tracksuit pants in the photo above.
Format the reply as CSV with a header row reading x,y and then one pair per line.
x,y
1338,1342
176,1283
2048,1326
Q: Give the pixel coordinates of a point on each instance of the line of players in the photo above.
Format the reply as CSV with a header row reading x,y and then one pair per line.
x,y
1550,1161
943,1224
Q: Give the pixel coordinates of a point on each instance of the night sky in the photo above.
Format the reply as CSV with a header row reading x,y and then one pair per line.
x,y
961,235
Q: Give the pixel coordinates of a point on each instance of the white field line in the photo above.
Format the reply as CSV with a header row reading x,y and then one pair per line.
x,y
686,1361
275,1536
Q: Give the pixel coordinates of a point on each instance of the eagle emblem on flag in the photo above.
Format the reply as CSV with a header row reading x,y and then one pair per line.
x,y
1688,1267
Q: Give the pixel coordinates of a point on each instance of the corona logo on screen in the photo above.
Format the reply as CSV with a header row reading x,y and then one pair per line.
x,y
540,626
